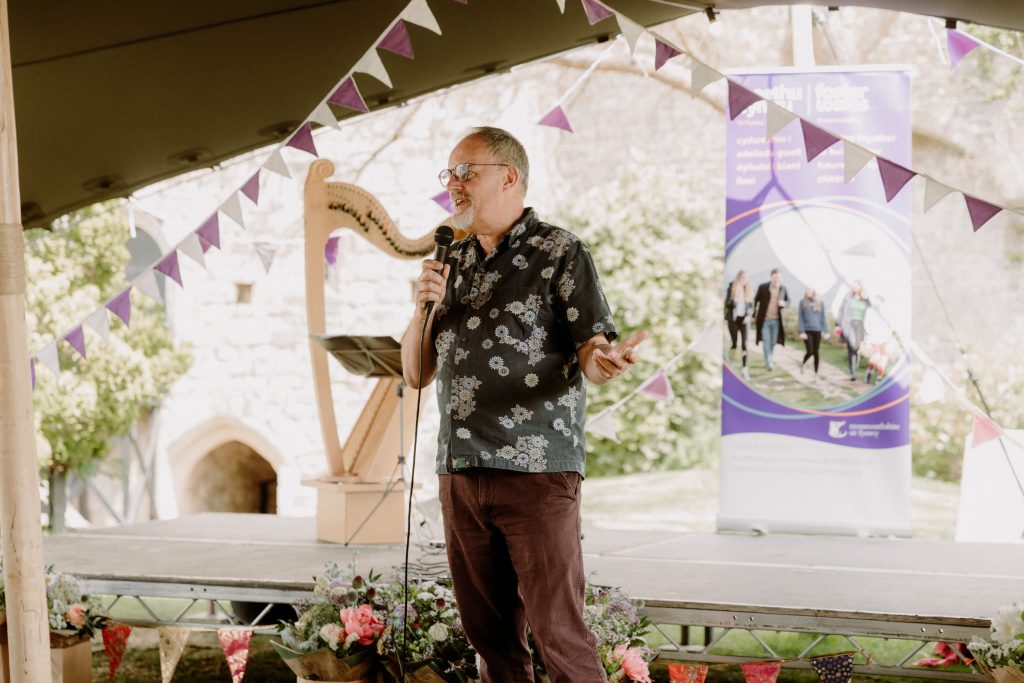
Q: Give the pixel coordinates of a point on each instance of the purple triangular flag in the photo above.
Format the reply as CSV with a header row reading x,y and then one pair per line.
x,y
444,200
397,41
894,177
657,387
32,370
121,306
76,338
303,139
739,99
662,53
251,189
980,210
209,232
595,12
816,140
556,118
959,46
331,251
347,95
169,267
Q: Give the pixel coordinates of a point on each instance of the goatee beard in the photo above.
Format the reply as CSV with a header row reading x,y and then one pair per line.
x,y
462,221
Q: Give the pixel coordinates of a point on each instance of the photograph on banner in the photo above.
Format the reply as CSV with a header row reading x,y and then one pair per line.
x,y
817,293
828,329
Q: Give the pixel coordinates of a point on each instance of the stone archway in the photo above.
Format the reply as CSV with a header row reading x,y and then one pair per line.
x,y
233,477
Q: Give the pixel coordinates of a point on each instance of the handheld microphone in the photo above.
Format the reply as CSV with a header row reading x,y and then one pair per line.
x,y
442,240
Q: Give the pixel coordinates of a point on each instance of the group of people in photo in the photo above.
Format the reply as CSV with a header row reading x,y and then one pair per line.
x,y
765,306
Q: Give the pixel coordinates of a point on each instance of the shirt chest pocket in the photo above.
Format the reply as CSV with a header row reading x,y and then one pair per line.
x,y
520,319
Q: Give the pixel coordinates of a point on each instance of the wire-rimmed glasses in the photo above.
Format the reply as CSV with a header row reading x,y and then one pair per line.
x,y
461,172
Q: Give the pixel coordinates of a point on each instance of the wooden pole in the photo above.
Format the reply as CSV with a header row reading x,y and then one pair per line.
x,y
22,537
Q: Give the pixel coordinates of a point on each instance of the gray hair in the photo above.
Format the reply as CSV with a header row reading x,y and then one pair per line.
x,y
507,149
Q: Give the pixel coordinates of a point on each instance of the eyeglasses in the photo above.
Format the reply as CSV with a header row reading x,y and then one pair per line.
x,y
461,172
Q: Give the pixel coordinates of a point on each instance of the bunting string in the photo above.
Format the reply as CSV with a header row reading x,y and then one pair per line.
x,y
960,43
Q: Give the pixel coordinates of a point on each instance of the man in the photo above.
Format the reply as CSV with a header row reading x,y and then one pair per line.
x,y
769,301
518,320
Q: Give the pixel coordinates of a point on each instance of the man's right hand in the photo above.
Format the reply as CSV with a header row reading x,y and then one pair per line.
x,y
430,286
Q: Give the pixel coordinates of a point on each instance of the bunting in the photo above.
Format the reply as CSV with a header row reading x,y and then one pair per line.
x,y
603,425
834,669
630,30
48,357
170,268
192,247
444,200
761,672
121,306
816,140
778,118
324,116
894,177
115,642
595,11
266,251
959,45
397,40
276,163
235,644
301,139
702,75
76,338
985,430
172,644
347,95
658,387
209,232
981,211
855,158
934,192
98,323
370,64
740,99
687,673
663,52
556,118
232,208
418,12
251,187
931,388
147,284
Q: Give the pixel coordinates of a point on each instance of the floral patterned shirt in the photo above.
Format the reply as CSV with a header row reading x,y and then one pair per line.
x,y
510,389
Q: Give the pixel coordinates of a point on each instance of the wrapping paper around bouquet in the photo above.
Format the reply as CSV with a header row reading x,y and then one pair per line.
x,y
420,672
322,665
1006,674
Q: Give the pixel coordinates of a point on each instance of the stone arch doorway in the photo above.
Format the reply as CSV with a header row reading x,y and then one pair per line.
x,y
232,477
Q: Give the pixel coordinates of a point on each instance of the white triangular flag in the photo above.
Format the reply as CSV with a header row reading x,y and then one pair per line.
x,y
324,116
276,163
370,63
708,342
603,425
778,118
232,208
98,321
266,251
418,12
631,31
701,76
172,641
934,191
561,6
855,158
193,248
148,285
932,388
48,357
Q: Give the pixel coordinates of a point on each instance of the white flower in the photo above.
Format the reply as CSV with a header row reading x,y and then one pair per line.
x,y
438,632
571,314
547,272
473,323
462,433
531,380
1008,623
331,634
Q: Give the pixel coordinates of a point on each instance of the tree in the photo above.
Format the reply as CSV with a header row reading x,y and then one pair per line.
x,y
661,269
70,274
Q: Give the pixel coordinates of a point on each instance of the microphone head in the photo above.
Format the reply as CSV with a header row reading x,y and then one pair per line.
x,y
443,236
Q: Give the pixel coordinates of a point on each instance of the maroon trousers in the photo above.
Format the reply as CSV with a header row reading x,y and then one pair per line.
x,y
513,543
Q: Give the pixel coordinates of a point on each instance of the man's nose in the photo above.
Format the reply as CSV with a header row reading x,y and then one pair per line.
x,y
454,183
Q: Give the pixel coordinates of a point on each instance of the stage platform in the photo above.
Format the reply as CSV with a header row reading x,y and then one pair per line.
x,y
911,590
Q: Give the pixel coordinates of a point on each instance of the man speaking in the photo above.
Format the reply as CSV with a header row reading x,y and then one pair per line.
x,y
515,319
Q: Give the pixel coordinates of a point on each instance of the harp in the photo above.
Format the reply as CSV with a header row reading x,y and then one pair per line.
x,y
360,498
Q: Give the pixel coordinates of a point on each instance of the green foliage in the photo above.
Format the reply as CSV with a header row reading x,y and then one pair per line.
x,y
69,276
661,269
1000,76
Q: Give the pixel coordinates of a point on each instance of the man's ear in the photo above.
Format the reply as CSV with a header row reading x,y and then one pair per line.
x,y
511,178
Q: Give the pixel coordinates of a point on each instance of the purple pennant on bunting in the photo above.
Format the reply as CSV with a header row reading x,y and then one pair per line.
x,y
209,233
169,267
662,53
816,140
980,210
251,189
331,251
303,139
76,338
740,98
959,45
894,177
347,95
595,12
657,387
121,306
444,200
397,41
556,118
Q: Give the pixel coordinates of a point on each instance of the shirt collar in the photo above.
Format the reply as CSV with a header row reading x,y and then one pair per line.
x,y
525,224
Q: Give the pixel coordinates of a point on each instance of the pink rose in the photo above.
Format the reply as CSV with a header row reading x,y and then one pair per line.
x,y
76,615
633,664
362,624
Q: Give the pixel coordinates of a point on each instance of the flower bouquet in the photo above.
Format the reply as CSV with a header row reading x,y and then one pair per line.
x,y
428,631
1002,657
334,637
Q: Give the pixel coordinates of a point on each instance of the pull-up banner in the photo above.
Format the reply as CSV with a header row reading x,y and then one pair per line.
x,y
817,442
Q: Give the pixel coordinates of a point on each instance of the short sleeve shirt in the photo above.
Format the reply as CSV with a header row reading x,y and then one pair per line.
x,y
509,387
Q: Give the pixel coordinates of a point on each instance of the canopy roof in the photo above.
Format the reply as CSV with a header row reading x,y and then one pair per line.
x,y
112,95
